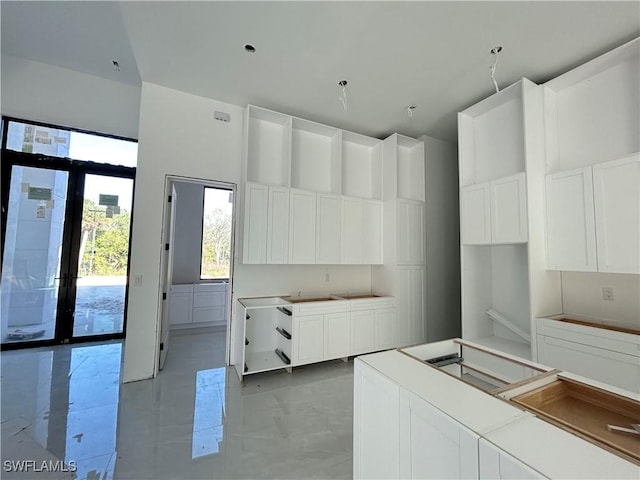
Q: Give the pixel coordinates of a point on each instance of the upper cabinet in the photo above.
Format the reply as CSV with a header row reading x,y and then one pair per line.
x,y
298,175
410,168
592,120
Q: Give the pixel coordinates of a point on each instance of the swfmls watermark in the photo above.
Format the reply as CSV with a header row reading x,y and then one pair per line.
x,y
37,466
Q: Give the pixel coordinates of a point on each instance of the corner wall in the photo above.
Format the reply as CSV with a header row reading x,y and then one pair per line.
x,y
442,237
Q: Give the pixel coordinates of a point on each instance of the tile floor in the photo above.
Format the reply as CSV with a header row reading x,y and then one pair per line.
x,y
195,421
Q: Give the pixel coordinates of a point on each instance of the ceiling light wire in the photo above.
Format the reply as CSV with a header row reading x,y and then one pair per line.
x,y
495,51
342,95
410,110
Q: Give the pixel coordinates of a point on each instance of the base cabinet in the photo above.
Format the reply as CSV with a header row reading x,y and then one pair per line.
x,y
198,305
495,463
309,339
375,455
439,447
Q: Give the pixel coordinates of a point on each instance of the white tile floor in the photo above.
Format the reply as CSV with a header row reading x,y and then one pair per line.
x,y
195,421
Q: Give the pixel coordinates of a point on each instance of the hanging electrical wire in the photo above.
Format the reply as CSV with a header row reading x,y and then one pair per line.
x,y
495,51
342,95
410,110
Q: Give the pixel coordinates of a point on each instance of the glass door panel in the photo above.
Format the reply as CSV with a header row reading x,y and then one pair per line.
x,y
29,287
103,257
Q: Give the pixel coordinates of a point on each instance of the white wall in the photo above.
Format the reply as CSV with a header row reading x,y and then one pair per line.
x,y
188,232
442,237
41,92
582,295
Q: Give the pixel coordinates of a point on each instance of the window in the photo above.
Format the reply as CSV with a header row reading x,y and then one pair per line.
x,y
65,143
216,234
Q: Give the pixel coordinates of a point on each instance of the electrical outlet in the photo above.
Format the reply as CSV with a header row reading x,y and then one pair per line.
x,y
607,293
137,280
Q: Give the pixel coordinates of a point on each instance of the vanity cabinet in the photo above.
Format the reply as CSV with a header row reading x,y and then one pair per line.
x,y
196,305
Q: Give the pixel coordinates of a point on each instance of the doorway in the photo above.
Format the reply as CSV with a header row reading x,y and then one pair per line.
x,y
197,271
65,247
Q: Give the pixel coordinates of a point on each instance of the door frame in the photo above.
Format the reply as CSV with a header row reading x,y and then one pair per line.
x,y
164,289
71,233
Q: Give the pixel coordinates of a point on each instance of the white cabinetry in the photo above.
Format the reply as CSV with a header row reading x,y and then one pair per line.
x,y
320,166
502,219
361,231
410,232
278,225
593,217
495,463
606,355
403,272
616,189
494,212
571,239
363,337
439,447
302,231
328,228
194,305
255,223
181,305
377,409
373,324
592,119
309,344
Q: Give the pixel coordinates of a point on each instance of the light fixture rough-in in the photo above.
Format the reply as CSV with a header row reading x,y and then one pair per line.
x,y
342,94
249,48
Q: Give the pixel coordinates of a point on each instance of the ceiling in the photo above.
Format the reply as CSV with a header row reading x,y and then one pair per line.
x,y
435,55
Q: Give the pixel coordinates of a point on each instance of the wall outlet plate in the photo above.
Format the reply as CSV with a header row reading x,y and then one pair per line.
x,y
607,294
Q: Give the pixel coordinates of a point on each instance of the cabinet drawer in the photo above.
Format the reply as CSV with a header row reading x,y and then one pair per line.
x,y
315,308
182,288
625,343
210,288
372,303
216,299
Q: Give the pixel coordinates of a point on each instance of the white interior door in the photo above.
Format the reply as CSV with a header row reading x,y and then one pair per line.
x,y
167,273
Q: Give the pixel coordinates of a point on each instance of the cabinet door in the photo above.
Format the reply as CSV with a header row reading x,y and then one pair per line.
x,y
571,240
328,229
372,232
385,328
362,332
180,308
278,225
302,229
337,335
475,220
376,424
410,234
352,231
495,463
254,247
509,210
439,446
308,339
616,190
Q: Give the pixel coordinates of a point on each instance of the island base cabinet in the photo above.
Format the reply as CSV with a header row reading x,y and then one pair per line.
x,y
438,446
376,420
494,463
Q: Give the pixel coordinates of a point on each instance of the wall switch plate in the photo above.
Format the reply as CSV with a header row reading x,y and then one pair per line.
x,y
137,280
607,293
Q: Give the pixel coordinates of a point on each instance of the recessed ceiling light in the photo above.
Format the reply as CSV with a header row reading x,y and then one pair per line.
x,y
250,48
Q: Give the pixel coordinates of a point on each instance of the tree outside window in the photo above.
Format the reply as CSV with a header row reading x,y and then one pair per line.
x,y
216,234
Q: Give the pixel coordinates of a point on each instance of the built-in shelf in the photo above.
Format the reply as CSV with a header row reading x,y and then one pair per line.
x,y
268,147
361,166
316,157
410,168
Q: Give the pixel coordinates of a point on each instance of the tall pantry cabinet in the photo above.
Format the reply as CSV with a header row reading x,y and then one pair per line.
x,y
504,281
403,272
